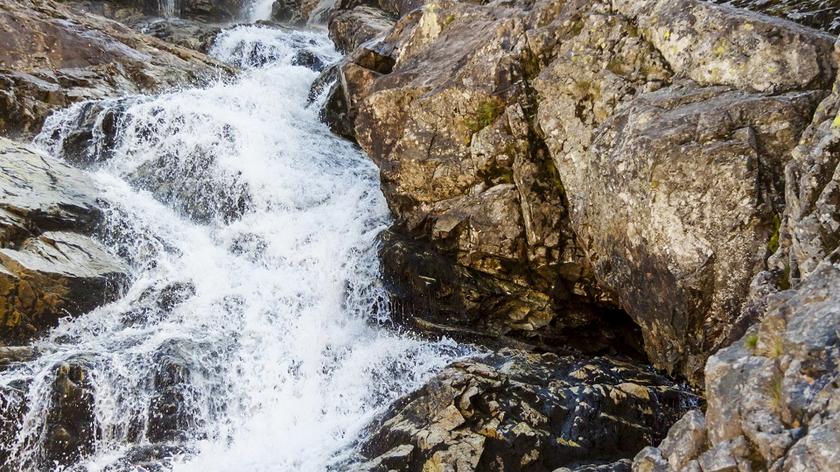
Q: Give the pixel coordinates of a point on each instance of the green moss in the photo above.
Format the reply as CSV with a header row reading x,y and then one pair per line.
x,y
784,282
448,20
751,342
776,393
485,114
773,242
836,122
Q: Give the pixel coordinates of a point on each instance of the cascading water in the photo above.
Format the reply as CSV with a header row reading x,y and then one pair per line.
x,y
249,336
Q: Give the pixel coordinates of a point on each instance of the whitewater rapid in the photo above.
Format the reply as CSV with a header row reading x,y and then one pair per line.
x,y
251,233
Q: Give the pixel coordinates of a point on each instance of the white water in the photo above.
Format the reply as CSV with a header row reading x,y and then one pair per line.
x,y
261,9
285,360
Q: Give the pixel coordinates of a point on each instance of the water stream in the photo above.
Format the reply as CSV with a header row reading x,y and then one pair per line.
x,y
255,302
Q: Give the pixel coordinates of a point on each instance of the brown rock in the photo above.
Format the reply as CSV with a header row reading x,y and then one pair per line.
x,y
51,56
49,266
617,153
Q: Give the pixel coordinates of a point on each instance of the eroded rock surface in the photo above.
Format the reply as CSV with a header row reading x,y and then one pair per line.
x,y
773,401
49,265
129,11
517,411
820,14
624,154
52,56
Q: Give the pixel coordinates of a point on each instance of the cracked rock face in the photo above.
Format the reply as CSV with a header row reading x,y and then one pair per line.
x,y
773,400
49,265
444,107
517,411
86,57
627,155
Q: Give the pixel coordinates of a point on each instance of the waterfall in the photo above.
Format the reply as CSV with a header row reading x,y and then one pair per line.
x,y
260,10
255,306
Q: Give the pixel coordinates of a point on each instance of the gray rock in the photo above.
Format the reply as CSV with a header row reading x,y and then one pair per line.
x,y
629,154
49,265
517,411
350,29
40,74
686,438
772,396
819,14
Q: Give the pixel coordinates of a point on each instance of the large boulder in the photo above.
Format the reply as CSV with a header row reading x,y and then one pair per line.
x,y
515,411
624,154
52,56
49,265
773,394
441,107
297,12
350,29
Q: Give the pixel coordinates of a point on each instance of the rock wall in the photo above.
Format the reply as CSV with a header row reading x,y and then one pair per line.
x,y
773,394
574,159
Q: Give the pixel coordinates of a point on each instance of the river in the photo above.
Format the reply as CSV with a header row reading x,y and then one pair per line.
x,y
252,336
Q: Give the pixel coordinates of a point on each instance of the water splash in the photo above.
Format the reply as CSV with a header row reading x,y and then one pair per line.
x,y
255,300
318,9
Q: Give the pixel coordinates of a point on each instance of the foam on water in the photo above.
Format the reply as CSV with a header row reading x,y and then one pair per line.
x,y
272,345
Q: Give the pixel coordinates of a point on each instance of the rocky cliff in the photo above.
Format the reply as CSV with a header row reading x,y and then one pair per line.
x,y
577,159
553,164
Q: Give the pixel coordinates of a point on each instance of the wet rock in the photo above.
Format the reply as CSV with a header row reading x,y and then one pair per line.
x,y
350,29
195,186
149,458
13,407
211,10
155,303
10,354
169,418
186,33
308,59
91,135
71,427
53,275
433,293
515,411
129,11
42,194
296,12
49,266
86,57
